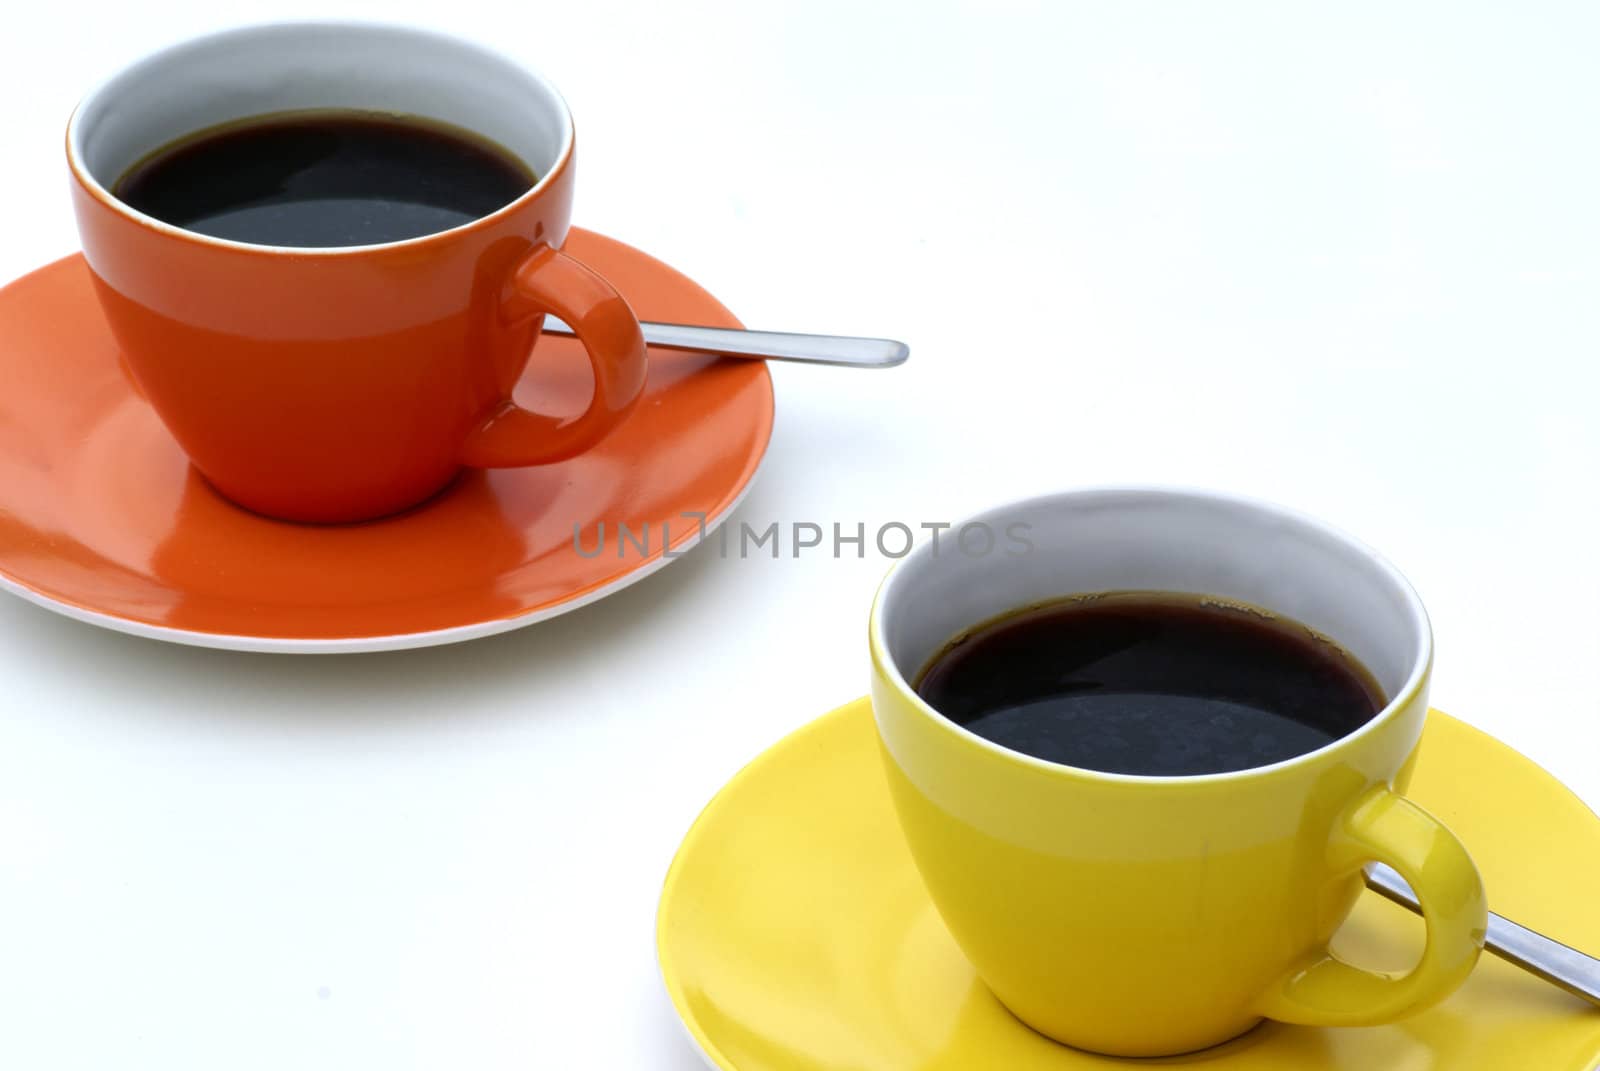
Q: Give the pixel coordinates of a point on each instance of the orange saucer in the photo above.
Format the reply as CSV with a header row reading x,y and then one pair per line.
x,y
103,519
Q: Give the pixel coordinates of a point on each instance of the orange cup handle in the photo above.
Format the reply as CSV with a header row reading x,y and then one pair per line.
x,y
550,281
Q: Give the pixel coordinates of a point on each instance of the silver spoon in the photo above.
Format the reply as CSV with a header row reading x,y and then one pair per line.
x,y
1551,960
844,350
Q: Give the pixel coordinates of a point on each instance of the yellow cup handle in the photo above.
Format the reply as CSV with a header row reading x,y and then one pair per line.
x,y
1384,827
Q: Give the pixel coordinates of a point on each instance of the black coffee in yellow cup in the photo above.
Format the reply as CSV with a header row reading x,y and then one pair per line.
x,y
1151,682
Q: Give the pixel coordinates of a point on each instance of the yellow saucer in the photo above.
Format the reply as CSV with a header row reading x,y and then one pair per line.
x,y
794,933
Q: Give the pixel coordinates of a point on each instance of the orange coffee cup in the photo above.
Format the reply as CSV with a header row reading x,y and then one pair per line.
x,y
346,383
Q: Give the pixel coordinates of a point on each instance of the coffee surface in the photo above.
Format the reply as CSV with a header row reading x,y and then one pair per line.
x,y
325,179
1151,683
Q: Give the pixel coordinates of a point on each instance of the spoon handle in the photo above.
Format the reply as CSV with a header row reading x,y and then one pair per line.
x,y
845,350
1559,964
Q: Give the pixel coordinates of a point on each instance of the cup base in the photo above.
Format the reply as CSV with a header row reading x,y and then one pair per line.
x,y
336,511
1145,1048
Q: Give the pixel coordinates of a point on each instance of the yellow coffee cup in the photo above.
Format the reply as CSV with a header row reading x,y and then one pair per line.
x,y
1143,916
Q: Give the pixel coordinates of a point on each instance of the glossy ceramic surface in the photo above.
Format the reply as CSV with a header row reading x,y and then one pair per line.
x,y
342,384
795,934
103,518
1146,916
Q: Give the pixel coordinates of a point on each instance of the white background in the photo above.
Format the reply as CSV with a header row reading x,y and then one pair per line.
x,y
1344,258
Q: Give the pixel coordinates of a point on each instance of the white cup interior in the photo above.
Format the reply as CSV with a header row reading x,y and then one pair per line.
x,y
1162,540
294,66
